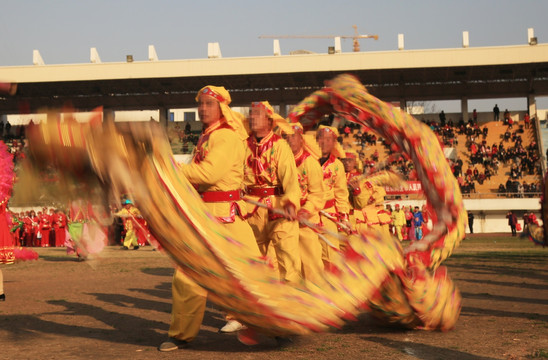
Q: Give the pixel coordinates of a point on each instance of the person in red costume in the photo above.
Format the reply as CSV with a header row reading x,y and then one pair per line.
x,y
60,227
35,222
45,228
28,231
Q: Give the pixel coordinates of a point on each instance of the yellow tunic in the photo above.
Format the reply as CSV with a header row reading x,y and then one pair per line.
x,y
218,165
398,220
356,216
270,163
334,179
313,193
130,238
337,204
270,167
398,217
370,198
312,201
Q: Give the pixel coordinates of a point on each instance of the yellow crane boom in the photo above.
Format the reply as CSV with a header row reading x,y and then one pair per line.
x,y
354,37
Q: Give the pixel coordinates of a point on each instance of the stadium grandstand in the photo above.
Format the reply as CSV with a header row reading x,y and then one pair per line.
x,y
498,163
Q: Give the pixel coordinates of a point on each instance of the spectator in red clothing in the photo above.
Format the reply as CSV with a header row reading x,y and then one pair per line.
x,y
346,131
473,148
533,219
469,172
527,120
375,156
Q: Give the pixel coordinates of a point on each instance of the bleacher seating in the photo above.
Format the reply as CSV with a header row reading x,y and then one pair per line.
x,y
495,135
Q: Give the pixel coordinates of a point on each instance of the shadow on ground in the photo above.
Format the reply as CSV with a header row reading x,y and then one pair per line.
x,y
425,352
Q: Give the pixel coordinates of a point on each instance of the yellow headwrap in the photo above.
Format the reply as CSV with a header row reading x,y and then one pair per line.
x,y
277,120
234,119
338,150
331,129
310,143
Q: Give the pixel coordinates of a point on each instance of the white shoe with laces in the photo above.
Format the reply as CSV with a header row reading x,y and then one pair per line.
x,y
232,326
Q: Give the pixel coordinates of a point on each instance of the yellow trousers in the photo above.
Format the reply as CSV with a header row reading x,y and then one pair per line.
x,y
311,255
328,251
283,236
189,299
187,311
398,230
131,238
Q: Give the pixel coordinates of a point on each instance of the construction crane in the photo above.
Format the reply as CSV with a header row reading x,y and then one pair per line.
x,y
355,37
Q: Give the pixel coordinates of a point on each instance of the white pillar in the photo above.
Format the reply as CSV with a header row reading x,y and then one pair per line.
x,y
531,40
214,50
338,45
532,105
37,58
277,49
465,39
464,108
400,42
94,56
152,55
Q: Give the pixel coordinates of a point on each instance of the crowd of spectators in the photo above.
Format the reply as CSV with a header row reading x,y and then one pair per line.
x,y
484,160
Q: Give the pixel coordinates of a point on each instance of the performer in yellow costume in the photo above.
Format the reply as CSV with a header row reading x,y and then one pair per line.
x,y
369,197
398,220
307,153
336,204
217,172
351,167
127,213
271,178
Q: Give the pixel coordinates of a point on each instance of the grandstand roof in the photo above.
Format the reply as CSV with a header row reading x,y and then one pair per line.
x,y
479,72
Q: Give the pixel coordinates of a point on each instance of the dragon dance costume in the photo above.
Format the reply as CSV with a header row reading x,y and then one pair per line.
x,y
371,272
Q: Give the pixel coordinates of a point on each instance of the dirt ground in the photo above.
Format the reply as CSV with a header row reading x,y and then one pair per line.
x,y
118,308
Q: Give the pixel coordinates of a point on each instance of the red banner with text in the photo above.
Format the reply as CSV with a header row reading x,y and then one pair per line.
x,y
412,187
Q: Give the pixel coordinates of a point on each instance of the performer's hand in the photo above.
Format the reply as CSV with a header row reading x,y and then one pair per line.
x,y
303,214
347,225
290,213
354,182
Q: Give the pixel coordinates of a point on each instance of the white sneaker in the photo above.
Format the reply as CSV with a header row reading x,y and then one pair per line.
x,y
232,326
